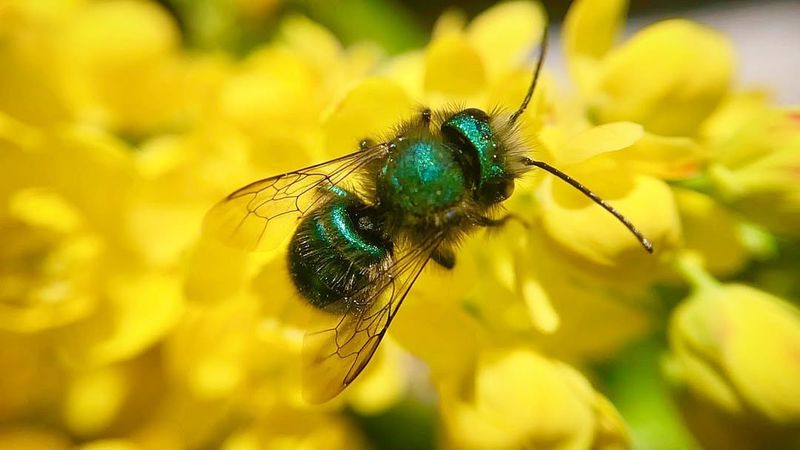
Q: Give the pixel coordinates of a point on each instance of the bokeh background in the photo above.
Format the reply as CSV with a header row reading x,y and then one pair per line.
x,y
123,327
763,32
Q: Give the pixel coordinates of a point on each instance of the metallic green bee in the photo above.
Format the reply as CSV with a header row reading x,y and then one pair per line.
x,y
367,223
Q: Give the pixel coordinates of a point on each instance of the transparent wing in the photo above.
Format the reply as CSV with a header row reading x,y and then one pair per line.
x,y
263,214
335,354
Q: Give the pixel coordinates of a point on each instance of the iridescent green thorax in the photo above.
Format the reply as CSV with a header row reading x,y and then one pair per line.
x,y
420,178
484,159
334,249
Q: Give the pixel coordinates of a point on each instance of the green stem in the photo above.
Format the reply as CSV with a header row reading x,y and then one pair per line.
x,y
690,266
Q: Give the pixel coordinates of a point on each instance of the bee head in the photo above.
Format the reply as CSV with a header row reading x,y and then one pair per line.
x,y
480,153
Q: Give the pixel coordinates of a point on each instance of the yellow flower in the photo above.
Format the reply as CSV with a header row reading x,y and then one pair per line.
x,y
641,105
668,77
110,444
32,437
118,65
594,242
53,260
36,381
49,264
520,399
125,328
734,364
286,429
757,166
712,232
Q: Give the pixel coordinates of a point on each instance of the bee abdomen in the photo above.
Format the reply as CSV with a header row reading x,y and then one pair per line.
x,y
336,251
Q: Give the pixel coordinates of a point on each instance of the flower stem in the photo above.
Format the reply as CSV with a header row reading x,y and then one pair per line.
x,y
690,266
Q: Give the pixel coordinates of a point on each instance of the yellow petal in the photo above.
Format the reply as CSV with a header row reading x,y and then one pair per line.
x,y
736,111
758,136
140,310
506,34
32,438
27,91
45,208
712,231
722,339
291,429
451,21
589,32
210,351
665,157
118,63
669,77
543,315
110,444
311,39
634,149
267,89
764,332
93,400
49,277
758,170
207,280
36,379
521,400
507,92
434,326
612,433
606,138
594,240
582,310
370,110
695,347
454,68
383,382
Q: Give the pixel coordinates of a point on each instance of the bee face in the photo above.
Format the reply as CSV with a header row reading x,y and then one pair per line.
x,y
482,153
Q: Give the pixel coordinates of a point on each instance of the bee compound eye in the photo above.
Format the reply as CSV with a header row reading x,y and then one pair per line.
x,y
508,189
498,191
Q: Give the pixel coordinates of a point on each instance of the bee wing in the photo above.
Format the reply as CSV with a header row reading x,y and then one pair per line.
x,y
261,215
335,355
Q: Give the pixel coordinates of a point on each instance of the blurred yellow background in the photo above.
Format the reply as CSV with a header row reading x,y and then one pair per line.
x,y
122,327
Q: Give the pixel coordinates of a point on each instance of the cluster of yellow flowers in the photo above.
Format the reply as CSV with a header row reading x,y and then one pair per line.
x,y
122,328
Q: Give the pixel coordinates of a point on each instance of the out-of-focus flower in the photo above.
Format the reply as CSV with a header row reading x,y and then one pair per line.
x,y
734,363
32,438
119,66
634,126
606,250
668,77
712,232
757,166
520,399
127,329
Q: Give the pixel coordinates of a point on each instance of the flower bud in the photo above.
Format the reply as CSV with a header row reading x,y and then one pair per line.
x,y
524,400
734,359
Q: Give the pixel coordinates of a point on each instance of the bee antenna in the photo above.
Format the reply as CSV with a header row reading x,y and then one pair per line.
x,y
595,198
536,71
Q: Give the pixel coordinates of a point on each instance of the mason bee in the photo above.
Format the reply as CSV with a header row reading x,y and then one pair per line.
x,y
364,225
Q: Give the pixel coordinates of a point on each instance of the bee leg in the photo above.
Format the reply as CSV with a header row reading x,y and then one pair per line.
x,y
499,222
444,257
366,143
